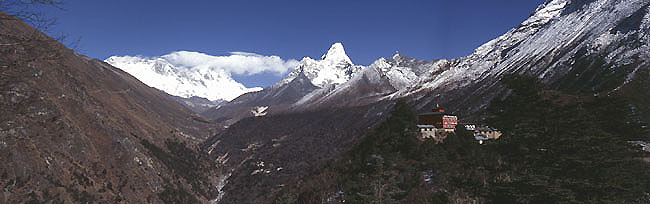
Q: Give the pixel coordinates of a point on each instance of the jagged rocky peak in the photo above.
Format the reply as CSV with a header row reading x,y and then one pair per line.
x,y
381,63
385,64
398,60
336,53
335,67
402,60
397,56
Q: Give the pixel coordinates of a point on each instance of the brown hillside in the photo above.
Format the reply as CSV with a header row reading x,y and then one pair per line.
x,y
76,130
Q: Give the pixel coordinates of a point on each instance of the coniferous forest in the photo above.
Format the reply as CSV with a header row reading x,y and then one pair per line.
x,y
556,148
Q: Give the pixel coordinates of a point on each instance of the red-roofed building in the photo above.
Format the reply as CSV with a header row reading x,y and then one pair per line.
x,y
436,124
439,119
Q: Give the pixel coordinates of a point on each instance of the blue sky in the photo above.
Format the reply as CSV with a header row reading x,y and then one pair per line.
x,y
291,29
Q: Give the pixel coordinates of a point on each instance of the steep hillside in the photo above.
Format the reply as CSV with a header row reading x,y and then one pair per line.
x,y
77,130
588,47
259,155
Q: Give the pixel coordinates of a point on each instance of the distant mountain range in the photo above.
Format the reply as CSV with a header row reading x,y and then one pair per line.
x,y
334,69
332,81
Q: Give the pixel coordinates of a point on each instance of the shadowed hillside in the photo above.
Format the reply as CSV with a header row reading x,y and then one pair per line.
x,y
76,130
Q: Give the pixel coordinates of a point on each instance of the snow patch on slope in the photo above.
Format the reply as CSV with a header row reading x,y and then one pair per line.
x,y
259,111
546,12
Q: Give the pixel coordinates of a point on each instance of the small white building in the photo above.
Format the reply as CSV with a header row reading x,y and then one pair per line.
x,y
431,132
487,132
427,131
470,127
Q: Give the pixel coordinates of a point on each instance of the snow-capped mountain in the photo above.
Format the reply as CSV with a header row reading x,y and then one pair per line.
x,y
173,74
379,81
335,67
331,81
591,47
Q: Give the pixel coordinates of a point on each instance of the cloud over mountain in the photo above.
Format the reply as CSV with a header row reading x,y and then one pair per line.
x,y
240,63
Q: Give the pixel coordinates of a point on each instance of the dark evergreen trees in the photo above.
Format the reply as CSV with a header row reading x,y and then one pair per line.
x,y
564,148
556,148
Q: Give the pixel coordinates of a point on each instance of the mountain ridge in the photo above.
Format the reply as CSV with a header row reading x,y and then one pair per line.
x,y
325,83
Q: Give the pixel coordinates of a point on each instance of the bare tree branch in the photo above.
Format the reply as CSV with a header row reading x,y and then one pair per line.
x,y
30,11
33,40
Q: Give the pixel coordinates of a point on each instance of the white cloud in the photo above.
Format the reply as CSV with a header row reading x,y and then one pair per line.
x,y
246,54
241,63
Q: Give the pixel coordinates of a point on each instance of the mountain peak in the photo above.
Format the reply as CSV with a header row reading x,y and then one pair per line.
x,y
397,56
336,53
182,74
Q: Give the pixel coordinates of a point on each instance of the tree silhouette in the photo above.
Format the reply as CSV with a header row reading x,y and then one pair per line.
x,y
30,11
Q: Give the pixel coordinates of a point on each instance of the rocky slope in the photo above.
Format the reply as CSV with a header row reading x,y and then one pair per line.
x,y
257,156
77,130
